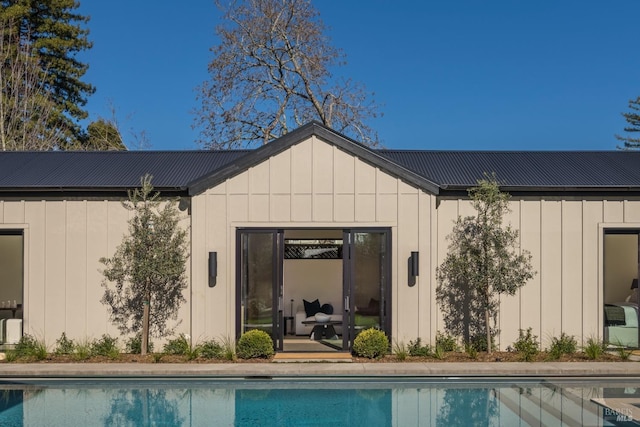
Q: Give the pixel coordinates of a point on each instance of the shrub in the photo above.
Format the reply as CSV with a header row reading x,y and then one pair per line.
x,y
255,344
106,346
210,350
82,351
228,348
594,348
371,343
438,352
565,344
479,343
30,347
446,342
134,344
178,346
417,349
471,351
527,345
623,352
400,350
64,345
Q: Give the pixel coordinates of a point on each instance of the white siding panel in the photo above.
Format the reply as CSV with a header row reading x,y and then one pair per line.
x,y
36,304
14,212
613,211
572,267
55,271
323,207
280,174
406,298
301,207
365,178
344,207
509,313
551,268
77,265
365,208
344,172
530,294
280,207
259,208
632,211
97,247
322,168
591,269
259,178
302,168
203,231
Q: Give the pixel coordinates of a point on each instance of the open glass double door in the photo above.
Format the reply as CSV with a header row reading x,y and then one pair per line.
x,y
262,283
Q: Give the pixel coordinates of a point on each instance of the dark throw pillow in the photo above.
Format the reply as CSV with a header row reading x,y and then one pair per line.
x,y
311,308
326,309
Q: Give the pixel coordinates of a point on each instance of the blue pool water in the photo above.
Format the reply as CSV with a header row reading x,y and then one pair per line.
x,y
332,402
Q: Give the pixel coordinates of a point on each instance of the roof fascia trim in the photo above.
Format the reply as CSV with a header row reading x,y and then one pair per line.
x,y
302,134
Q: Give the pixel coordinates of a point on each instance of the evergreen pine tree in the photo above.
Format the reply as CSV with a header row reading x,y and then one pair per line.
x,y
633,118
53,33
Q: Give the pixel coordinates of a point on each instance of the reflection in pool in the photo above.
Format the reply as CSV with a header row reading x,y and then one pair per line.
x,y
372,402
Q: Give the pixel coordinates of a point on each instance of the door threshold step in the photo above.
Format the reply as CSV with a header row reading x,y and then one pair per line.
x,y
312,357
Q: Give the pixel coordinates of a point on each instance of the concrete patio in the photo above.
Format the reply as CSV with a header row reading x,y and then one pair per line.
x,y
308,369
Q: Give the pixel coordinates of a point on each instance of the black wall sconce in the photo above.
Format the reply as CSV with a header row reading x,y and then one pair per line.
x,y
415,264
413,267
213,268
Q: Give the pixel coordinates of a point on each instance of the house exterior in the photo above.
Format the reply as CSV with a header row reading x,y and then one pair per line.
x,y
258,221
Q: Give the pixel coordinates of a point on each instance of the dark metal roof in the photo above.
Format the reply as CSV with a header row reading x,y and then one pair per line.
x,y
191,172
108,169
525,169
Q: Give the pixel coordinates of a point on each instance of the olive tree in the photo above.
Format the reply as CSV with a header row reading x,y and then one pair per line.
x,y
146,277
483,262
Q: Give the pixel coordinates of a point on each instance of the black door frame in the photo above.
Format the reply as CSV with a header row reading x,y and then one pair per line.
x,y
349,261
627,231
277,319
348,324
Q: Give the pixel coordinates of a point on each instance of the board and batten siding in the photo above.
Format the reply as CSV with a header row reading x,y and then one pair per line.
x,y
63,243
564,237
311,185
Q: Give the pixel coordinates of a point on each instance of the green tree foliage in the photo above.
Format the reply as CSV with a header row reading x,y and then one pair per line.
x,y
145,278
633,119
482,263
103,135
272,73
45,36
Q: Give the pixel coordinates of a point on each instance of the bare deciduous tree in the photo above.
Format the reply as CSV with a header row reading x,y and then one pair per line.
x,y
26,108
271,73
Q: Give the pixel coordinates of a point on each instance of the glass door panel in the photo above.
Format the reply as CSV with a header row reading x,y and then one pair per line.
x,y
261,283
366,283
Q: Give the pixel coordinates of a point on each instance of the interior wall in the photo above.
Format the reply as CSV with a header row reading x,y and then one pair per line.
x,y
11,268
620,265
310,279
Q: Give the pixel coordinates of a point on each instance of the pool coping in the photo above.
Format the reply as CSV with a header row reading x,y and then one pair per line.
x,y
311,369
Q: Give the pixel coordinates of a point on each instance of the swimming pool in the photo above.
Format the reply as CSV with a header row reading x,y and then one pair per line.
x,y
316,402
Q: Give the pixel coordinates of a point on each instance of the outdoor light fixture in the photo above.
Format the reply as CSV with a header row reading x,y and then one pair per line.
x,y
415,261
413,268
213,268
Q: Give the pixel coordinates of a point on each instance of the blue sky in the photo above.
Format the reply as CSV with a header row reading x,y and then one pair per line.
x,y
450,74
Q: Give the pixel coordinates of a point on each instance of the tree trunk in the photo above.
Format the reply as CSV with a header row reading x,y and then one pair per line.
x,y
487,325
145,327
